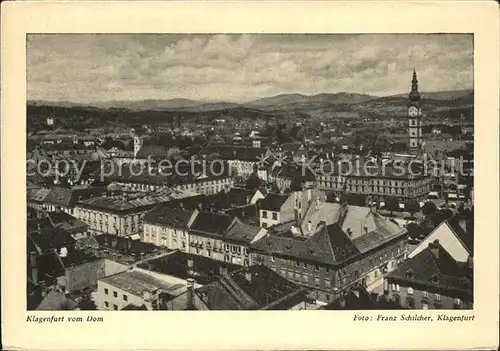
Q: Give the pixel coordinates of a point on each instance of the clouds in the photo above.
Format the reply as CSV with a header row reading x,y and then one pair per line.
x,y
86,68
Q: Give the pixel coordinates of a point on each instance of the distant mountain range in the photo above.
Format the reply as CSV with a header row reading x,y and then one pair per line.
x,y
278,102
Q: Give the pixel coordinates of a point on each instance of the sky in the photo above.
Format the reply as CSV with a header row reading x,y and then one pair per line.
x,y
87,68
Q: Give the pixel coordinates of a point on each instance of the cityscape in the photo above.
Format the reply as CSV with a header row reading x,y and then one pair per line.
x,y
250,172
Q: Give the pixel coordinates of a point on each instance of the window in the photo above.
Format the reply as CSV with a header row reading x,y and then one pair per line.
x,y
397,287
425,294
327,283
410,291
316,268
273,259
316,282
115,307
264,225
457,303
438,297
115,294
106,291
106,303
275,216
264,214
297,263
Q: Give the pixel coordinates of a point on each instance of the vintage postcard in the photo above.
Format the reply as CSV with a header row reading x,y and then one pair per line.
x,y
176,175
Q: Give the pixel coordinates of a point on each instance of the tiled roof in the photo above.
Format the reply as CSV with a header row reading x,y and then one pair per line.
x,y
265,290
426,266
467,238
125,245
47,238
273,202
173,217
241,232
65,221
330,245
154,151
211,223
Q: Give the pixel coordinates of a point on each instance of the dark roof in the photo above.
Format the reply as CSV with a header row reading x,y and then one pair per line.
x,y
125,245
132,307
273,202
204,270
265,290
211,223
60,196
46,237
65,221
241,232
467,238
425,267
356,299
172,217
154,151
330,245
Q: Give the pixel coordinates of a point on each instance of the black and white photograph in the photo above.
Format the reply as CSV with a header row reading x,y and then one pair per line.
x,y
173,172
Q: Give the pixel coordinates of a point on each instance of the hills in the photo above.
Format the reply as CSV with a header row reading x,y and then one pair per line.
x,y
279,107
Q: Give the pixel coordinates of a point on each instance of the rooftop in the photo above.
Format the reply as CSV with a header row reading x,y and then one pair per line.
x,y
137,280
434,267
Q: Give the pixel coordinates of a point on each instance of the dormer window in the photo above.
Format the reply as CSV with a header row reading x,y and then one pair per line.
x,y
409,274
435,279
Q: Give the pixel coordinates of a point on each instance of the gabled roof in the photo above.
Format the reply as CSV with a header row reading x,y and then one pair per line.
x,y
273,202
432,270
241,232
265,290
65,221
329,245
173,217
211,223
466,238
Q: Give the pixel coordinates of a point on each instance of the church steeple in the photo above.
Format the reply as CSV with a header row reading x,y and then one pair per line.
x,y
414,94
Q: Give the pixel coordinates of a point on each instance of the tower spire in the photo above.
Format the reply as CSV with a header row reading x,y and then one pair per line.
x,y
414,94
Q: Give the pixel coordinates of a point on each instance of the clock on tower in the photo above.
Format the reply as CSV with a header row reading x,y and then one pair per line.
x,y
414,116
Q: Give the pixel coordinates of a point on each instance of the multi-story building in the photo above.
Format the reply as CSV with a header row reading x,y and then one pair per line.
x,y
199,182
221,238
377,182
279,208
335,257
242,160
137,287
432,279
122,215
168,227
438,273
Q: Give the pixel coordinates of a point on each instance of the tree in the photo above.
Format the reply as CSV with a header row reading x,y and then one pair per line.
x,y
428,208
392,204
412,206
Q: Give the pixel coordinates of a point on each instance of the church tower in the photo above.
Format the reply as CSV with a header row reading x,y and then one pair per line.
x,y
138,142
414,116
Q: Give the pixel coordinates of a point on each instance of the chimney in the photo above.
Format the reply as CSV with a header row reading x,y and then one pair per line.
x,y
434,247
309,226
189,293
365,230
